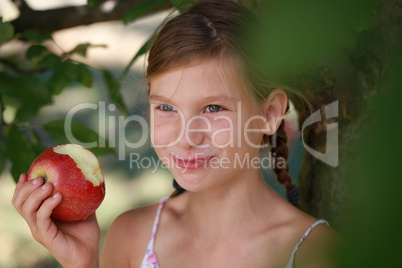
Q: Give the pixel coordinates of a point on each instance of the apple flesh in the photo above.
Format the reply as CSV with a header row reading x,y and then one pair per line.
x,y
74,172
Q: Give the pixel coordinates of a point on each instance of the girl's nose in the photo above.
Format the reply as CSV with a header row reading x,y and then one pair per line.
x,y
195,131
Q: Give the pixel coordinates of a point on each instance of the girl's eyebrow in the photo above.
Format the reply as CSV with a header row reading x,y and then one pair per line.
x,y
212,98
157,97
221,97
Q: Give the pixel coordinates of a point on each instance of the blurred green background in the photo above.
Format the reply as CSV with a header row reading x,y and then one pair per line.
x,y
345,51
126,187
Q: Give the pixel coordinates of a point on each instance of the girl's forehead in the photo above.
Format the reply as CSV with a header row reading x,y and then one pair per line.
x,y
204,78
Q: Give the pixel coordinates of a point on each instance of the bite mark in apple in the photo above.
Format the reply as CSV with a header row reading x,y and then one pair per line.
x,y
85,161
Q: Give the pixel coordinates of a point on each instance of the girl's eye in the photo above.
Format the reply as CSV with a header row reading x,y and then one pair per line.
x,y
213,108
166,107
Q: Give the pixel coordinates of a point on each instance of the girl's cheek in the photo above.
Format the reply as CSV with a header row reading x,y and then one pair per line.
x,y
229,132
224,133
163,131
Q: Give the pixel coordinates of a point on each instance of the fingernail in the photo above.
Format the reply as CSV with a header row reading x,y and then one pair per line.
x,y
44,186
55,195
35,181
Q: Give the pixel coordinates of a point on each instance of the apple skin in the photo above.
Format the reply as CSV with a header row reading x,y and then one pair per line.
x,y
80,197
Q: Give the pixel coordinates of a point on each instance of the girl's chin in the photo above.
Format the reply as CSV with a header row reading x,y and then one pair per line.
x,y
190,181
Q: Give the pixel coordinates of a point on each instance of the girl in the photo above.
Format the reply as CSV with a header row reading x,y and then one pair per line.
x,y
210,116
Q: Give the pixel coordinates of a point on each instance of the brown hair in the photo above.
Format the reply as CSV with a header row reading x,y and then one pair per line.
x,y
211,29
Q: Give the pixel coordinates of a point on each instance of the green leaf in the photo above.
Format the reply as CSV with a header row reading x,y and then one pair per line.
x,y
38,148
35,36
113,87
6,31
36,144
140,9
49,61
8,85
94,3
26,112
19,152
182,5
31,92
36,96
67,72
82,49
140,52
35,51
81,134
64,74
84,75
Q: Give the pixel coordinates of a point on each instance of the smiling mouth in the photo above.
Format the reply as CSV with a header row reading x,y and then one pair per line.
x,y
191,162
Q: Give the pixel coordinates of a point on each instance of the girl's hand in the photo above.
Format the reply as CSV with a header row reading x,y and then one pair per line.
x,y
73,244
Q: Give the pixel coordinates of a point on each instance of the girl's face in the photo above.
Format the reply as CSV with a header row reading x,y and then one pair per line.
x,y
200,125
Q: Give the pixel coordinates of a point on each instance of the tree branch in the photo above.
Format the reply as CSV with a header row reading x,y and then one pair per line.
x,y
21,4
62,18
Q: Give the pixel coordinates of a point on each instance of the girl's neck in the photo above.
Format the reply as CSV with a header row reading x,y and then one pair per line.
x,y
245,199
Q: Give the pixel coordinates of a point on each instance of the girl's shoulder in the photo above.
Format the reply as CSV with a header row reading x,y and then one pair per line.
x,y
292,230
313,242
128,236
317,249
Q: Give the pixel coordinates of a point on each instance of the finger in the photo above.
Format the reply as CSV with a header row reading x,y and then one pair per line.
x,y
45,225
92,217
24,191
21,181
34,201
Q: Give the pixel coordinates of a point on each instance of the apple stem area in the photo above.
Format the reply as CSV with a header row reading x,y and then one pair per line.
x,y
44,179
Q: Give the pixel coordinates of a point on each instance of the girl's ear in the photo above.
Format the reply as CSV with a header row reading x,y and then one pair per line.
x,y
274,109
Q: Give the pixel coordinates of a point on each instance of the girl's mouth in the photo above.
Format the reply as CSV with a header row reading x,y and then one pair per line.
x,y
191,162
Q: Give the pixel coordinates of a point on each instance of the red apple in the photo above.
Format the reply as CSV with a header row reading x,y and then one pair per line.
x,y
76,174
